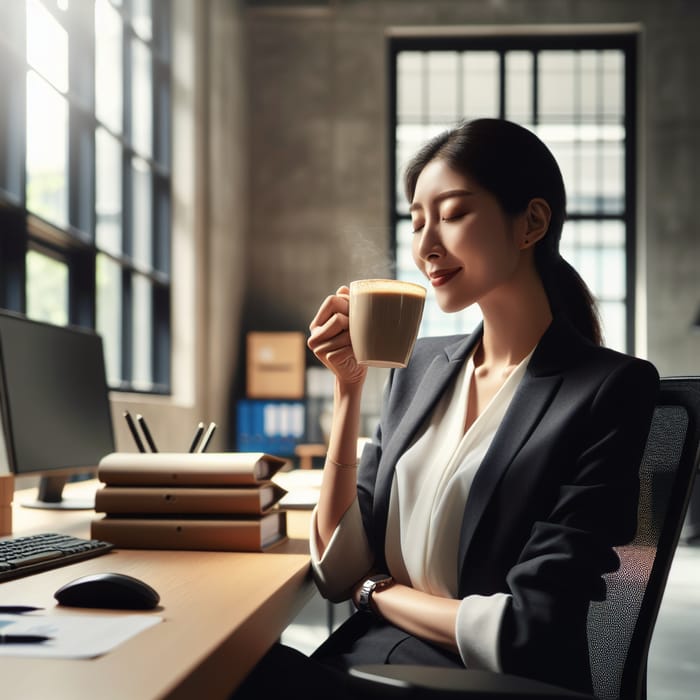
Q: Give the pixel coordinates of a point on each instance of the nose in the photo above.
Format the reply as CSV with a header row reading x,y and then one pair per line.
x,y
429,244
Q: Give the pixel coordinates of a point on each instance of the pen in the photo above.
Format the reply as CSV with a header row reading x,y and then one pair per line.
x,y
132,429
207,437
146,432
197,435
17,609
22,638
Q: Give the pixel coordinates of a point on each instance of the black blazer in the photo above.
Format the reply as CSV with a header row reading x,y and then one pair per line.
x,y
557,489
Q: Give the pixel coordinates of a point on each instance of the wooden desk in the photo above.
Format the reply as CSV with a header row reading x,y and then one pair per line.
x,y
221,610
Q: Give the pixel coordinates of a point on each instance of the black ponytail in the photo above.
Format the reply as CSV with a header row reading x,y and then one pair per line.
x,y
569,295
516,167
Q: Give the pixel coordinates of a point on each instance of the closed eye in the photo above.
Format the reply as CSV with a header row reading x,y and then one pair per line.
x,y
454,217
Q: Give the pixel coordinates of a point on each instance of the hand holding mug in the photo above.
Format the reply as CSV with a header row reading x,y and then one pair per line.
x,y
330,338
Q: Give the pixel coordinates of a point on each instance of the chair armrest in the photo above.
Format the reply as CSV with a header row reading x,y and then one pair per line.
x,y
442,681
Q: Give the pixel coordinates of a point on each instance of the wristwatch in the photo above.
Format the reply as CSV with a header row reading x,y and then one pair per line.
x,y
373,583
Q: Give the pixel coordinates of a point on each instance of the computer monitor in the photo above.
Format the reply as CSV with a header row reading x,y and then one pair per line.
x,y
54,403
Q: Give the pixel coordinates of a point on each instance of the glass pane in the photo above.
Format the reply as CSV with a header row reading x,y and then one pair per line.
x,y
597,250
108,65
519,100
141,18
108,282
613,320
142,332
481,84
613,275
556,97
613,178
442,86
589,176
141,98
612,75
47,288
47,45
142,222
589,84
108,202
47,151
409,87
409,138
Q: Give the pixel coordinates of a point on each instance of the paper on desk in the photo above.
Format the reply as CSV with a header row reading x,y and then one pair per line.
x,y
74,637
303,487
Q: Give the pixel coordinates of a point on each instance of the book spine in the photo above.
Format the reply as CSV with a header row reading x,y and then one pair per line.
x,y
242,535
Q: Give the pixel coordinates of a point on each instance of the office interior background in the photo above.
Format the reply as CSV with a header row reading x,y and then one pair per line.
x,y
219,167
177,174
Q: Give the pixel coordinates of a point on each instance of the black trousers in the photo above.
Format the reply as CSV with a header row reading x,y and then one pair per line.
x,y
362,639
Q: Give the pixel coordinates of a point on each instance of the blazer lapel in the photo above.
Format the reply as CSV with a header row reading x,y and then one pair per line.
x,y
557,348
529,403
439,373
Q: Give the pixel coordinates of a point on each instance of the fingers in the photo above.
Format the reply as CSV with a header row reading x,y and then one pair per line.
x,y
331,318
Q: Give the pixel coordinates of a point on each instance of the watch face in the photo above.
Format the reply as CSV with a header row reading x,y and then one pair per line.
x,y
373,583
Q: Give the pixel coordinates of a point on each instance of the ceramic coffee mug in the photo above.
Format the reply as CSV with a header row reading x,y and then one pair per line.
x,y
385,316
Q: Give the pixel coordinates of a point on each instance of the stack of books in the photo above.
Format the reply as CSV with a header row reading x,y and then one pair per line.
x,y
205,501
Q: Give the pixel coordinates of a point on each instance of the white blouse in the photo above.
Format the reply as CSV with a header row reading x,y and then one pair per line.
x,y
426,509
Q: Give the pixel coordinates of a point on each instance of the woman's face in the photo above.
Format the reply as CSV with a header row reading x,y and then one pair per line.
x,y
463,241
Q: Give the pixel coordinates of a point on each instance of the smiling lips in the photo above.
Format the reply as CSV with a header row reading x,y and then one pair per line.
x,y
440,277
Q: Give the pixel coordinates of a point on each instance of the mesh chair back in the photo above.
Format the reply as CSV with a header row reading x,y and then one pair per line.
x,y
620,627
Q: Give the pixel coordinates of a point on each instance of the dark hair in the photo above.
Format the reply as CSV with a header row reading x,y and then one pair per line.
x,y
513,164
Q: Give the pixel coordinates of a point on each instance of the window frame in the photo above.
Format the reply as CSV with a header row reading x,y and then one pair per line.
x,y
76,243
530,40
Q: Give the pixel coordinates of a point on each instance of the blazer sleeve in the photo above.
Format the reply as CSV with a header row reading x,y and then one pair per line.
x,y
559,570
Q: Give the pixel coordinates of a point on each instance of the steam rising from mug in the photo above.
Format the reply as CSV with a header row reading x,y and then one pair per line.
x,y
366,251
385,316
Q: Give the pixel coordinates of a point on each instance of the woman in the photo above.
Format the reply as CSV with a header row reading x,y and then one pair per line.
x,y
505,469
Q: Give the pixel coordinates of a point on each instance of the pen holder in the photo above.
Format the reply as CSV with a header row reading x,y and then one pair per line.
x,y
7,492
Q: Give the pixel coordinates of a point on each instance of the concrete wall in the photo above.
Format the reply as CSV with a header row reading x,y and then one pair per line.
x,y
317,96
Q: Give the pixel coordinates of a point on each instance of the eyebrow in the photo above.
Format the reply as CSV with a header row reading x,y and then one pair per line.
x,y
448,194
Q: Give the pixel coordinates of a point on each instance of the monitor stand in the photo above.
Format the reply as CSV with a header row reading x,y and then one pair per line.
x,y
50,496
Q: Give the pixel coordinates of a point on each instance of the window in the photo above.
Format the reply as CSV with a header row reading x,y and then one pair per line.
x,y
576,94
85,175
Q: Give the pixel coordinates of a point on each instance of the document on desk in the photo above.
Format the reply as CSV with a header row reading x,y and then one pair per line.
x,y
303,487
72,636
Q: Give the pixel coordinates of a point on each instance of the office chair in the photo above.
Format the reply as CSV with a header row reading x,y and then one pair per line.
x,y
620,627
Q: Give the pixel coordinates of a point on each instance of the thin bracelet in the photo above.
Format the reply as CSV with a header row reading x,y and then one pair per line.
x,y
340,464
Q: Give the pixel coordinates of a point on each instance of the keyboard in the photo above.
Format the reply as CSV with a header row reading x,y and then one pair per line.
x,y
29,554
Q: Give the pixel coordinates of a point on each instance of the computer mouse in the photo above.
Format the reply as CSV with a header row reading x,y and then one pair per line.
x,y
108,590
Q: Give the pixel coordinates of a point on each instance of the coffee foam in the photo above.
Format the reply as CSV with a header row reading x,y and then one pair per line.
x,y
389,286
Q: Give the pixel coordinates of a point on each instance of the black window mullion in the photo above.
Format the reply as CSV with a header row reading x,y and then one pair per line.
x,y
161,336
161,224
13,98
535,87
630,55
81,159
82,287
127,327
502,83
13,249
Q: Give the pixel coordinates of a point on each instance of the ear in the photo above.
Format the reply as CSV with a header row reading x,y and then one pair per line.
x,y
537,218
